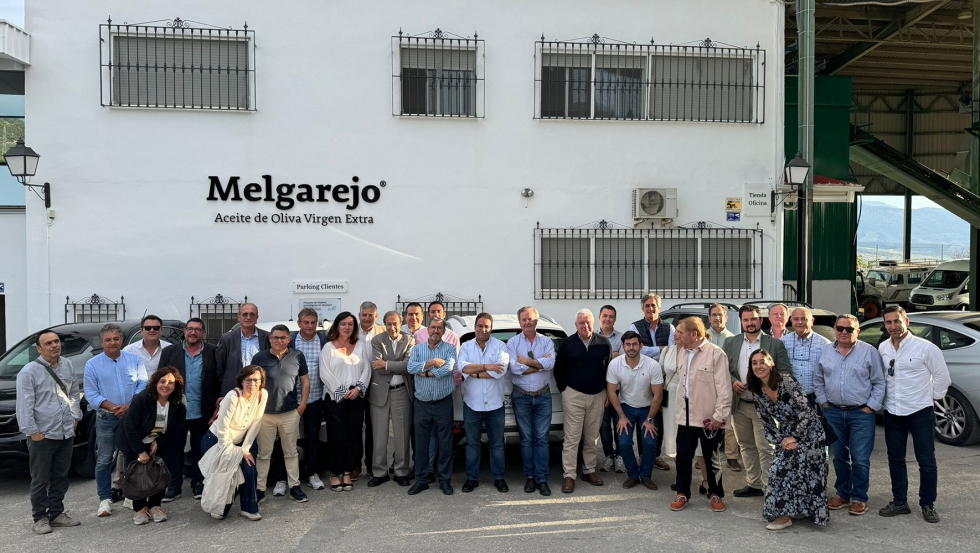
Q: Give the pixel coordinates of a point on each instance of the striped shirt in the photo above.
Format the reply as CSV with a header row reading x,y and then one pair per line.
x,y
441,383
804,354
310,350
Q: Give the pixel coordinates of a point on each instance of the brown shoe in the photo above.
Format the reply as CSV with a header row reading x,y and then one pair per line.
x,y
837,502
354,476
660,464
568,486
679,503
592,478
649,483
858,508
630,483
717,505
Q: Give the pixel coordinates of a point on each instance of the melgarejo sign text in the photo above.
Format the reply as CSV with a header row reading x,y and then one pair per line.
x,y
286,195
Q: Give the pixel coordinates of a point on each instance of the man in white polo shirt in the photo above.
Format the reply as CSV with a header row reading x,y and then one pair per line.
x,y
915,376
641,384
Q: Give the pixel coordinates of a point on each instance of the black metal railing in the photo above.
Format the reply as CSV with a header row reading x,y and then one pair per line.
x,y
437,74
177,64
600,78
454,305
94,309
603,262
219,314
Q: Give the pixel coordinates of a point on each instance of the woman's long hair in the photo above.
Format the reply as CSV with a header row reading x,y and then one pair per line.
x,y
334,331
175,396
753,383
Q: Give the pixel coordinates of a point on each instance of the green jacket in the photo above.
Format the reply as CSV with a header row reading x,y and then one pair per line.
x,y
733,348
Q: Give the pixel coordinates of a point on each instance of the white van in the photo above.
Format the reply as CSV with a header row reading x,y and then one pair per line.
x,y
946,287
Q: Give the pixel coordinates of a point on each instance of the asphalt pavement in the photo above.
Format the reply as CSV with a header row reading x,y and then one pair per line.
x,y
594,518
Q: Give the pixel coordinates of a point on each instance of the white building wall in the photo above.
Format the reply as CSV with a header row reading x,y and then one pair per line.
x,y
13,257
130,184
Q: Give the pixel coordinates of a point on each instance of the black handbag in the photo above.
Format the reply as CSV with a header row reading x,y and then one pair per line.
x,y
141,480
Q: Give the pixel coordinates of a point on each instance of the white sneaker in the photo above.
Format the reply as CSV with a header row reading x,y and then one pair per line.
x,y
620,465
280,489
105,508
316,483
141,517
158,514
217,516
607,464
251,516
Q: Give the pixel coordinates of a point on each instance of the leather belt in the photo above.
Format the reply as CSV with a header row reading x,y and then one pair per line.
x,y
545,390
440,400
848,407
396,386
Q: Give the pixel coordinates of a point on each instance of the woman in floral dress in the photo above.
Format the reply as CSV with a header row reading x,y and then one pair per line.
x,y
798,475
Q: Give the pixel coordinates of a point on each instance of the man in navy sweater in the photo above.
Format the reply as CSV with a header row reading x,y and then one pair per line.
x,y
580,372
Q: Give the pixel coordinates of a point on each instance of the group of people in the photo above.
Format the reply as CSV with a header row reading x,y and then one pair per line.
x,y
772,401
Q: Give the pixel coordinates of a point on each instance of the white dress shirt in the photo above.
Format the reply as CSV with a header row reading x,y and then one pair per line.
x,y
920,374
151,362
484,394
743,361
396,379
544,352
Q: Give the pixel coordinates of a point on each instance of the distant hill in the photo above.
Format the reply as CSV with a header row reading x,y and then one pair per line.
x,y
935,232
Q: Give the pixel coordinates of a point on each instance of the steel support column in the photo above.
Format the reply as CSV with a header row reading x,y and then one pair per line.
x,y
974,153
805,103
910,152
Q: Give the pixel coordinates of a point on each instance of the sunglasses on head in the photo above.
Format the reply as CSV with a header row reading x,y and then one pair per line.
x,y
847,329
149,328
891,368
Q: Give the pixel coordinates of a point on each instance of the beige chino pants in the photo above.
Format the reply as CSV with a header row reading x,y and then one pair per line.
x,y
583,417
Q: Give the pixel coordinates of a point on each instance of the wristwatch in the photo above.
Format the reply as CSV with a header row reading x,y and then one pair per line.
x,y
650,420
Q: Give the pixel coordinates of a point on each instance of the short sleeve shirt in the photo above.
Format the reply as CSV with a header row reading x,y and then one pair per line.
x,y
634,384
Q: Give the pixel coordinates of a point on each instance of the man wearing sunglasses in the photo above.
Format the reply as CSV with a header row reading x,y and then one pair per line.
x,y
237,346
196,361
850,384
916,375
151,346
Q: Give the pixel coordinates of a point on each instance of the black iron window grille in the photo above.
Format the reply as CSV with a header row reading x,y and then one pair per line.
x,y
603,262
94,309
454,306
177,64
600,78
219,314
437,74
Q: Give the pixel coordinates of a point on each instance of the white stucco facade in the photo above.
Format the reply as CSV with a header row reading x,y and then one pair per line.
x,y
130,185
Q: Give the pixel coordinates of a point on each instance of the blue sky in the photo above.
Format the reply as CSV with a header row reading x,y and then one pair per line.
x,y
12,11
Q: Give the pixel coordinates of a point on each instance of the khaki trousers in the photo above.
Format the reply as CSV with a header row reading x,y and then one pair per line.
x,y
731,443
287,426
398,409
756,451
583,417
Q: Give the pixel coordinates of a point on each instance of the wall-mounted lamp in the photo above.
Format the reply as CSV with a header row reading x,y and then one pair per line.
x,y
22,163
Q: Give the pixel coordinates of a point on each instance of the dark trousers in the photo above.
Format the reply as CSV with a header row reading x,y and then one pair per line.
x,y
434,418
247,492
344,423
921,426
312,417
713,450
175,463
368,441
155,499
610,446
49,461
658,423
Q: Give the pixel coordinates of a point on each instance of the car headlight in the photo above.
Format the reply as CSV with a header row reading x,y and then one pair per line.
x,y
943,297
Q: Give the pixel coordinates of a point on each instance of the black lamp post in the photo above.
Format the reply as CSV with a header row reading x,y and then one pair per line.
x,y
22,163
797,173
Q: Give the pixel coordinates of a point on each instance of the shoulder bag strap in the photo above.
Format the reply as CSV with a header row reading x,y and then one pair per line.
x,y
56,379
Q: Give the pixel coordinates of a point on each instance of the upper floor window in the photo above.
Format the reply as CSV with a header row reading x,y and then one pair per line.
x,y
437,75
177,65
596,79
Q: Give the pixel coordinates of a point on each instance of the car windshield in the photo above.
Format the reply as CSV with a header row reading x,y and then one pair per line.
x,y
26,351
879,276
945,279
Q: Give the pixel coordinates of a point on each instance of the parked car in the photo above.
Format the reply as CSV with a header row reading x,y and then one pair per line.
x,y
80,342
946,287
957,334
504,328
890,283
821,317
675,313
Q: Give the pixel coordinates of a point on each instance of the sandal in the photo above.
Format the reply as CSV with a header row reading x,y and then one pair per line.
x,y
347,484
338,487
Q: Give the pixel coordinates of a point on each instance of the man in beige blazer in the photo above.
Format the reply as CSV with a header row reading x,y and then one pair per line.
x,y
390,396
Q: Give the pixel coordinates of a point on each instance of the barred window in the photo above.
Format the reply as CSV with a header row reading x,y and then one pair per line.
x,y
437,75
593,79
681,263
178,66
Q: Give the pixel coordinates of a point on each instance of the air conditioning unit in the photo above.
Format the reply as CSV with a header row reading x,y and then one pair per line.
x,y
654,203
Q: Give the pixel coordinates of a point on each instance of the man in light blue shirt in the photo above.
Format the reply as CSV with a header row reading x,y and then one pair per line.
x,y
112,378
432,365
804,347
483,362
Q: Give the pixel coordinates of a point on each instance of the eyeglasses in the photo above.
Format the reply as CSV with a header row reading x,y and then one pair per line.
x,y
252,381
248,315
847,329
192,329
891,368
149,328
279,338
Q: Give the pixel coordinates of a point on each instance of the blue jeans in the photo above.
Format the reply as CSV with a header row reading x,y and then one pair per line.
x,y
247,491
610,447
922,426
855,431
474,422
533,415
636,417
105,442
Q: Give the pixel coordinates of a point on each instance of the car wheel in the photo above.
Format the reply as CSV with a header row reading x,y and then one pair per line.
x,y
85,467
956,420
872,309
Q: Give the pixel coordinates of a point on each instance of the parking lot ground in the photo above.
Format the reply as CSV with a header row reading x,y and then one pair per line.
x,y
606,518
